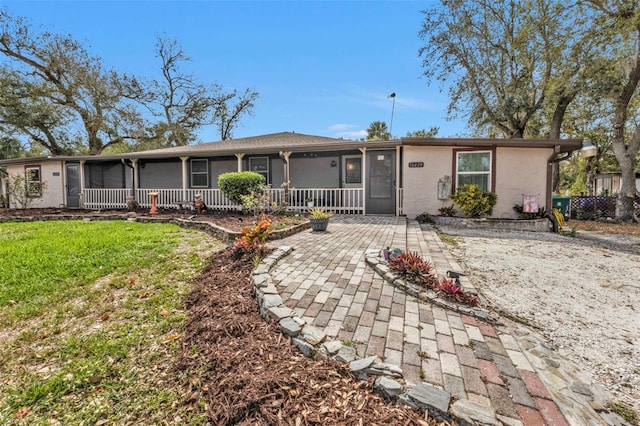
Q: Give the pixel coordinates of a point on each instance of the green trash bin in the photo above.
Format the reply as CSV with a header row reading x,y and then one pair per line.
x,y
563,204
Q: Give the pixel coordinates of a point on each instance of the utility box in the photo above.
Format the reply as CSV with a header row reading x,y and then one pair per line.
x,y
444,188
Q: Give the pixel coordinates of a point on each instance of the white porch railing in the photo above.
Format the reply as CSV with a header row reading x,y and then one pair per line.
x,y
399,201
337,200
174,198
105,198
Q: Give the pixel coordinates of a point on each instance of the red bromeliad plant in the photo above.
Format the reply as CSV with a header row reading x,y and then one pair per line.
x,y
253,239
413,268
452,290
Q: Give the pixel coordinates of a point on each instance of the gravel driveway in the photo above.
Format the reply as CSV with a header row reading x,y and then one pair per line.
x,y
582,292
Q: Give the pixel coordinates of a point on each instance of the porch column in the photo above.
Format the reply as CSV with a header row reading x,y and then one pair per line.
x,y
82,183
363,150
136,176
185,177
240,156
285,159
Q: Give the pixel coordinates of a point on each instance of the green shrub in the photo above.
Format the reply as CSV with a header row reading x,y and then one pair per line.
x,y
236,184
425,218
447,211
473,201
261,202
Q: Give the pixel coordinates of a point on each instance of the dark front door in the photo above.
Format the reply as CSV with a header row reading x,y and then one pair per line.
x,y
73,185
380,191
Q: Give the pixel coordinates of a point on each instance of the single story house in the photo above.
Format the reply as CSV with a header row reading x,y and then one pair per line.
x,y
608,184
406,176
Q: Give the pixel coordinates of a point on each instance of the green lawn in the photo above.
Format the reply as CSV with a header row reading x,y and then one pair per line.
x,y
90,319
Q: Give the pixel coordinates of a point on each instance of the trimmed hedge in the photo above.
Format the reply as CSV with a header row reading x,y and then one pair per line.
x,y
236,184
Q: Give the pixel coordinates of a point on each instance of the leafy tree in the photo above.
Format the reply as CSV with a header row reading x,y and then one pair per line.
x,y
423,133
10,147
508,61
62,90
517,67
378,131
617,30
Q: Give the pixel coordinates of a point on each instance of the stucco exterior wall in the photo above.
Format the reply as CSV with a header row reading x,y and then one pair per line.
x,y
420,184
518,171
52,175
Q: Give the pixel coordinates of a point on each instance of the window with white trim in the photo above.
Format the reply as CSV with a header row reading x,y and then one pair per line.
x,y
33,178
200,173
474,167
260,165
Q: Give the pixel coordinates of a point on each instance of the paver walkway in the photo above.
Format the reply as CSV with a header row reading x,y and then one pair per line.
x,y
326,281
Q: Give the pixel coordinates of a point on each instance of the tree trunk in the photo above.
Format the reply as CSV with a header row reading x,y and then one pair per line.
x,y
624,202
554,133
626,153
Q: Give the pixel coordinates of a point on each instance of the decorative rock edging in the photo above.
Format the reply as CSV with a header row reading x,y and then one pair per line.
x,y
533,225
389,383
373,259
208,227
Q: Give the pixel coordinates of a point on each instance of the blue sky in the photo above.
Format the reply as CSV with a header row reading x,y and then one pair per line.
x,y
320,67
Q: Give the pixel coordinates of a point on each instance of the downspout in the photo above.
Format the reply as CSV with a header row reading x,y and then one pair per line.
x,y
82,183
185,177
132,204
133,176
554,158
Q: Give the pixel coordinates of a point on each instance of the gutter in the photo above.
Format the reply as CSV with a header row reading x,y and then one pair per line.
x,y
555,157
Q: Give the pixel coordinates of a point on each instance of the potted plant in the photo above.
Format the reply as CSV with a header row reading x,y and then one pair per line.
x,y
309,201
319,219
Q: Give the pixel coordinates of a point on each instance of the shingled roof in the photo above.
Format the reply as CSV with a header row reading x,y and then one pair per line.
x,y
300,142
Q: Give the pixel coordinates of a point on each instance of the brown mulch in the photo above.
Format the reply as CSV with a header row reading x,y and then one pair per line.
x,y
248,373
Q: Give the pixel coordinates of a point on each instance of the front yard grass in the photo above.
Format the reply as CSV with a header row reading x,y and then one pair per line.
x,y
90,319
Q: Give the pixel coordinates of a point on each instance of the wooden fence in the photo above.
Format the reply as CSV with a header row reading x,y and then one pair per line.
x,y
593,207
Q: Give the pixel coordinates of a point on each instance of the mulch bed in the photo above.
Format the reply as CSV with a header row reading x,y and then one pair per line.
x,y
247,373
233,221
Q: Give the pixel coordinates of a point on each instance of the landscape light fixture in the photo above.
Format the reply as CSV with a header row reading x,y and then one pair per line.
x,y
393,107
588,149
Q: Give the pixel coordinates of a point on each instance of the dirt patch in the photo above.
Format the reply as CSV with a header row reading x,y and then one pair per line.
x,y
582,293
246,372
605,227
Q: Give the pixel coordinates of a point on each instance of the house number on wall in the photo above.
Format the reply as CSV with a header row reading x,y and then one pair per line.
x,y
416,164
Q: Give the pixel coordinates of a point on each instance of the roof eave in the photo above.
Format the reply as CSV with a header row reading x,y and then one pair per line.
x,y
565,145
